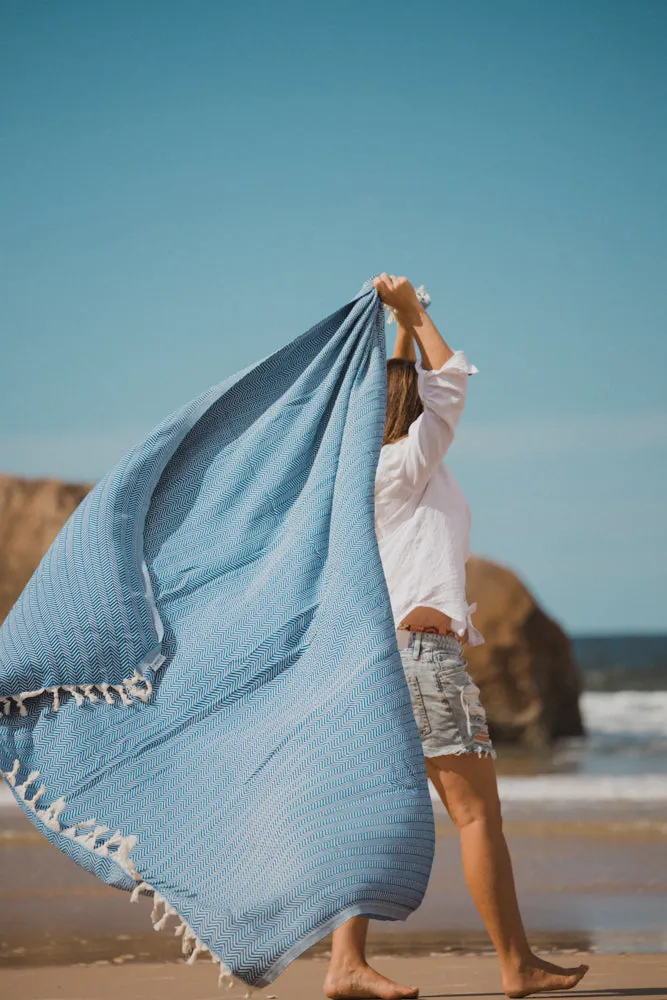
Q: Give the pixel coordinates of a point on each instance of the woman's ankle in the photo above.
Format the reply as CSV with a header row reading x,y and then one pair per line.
x,y
347,962
516,959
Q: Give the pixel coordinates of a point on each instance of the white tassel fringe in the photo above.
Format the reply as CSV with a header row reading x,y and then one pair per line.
x,y
135,687
190,945
89,834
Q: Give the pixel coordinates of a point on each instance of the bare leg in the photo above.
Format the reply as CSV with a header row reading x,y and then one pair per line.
x,y
350,975
468,788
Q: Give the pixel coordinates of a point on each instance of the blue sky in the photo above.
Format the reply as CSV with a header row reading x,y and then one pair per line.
x,y
188,186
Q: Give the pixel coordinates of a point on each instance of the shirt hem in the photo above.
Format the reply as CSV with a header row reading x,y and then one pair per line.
x,y
460,623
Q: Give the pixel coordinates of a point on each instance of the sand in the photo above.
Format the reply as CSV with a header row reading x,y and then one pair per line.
x,y
591,884
588,884
438,976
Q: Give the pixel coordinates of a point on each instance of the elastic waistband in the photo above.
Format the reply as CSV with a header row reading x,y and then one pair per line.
x,y
427,640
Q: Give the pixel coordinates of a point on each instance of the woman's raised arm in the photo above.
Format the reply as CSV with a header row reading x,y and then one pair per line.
x,y
413,322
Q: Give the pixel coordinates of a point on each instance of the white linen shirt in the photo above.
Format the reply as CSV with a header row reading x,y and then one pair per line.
x,y
422,518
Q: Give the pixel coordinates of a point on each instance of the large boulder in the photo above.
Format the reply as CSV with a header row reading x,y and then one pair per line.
x,y
32,512
526,671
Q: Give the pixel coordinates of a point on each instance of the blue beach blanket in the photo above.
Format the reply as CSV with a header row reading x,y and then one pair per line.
x,y
201,696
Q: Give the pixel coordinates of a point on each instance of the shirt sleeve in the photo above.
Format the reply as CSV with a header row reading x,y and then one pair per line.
x,y
443,393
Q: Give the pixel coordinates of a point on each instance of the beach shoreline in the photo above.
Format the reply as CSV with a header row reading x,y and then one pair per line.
x,y
589,880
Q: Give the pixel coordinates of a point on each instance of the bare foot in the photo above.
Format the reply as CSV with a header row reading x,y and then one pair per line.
x,y
362,981
538,976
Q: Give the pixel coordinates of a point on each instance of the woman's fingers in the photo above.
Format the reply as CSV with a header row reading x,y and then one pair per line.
x,y
395,291
383,285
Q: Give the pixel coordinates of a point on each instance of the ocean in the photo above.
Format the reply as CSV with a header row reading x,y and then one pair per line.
x,y
623,757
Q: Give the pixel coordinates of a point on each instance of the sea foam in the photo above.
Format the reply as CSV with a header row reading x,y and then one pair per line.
x,y
619,713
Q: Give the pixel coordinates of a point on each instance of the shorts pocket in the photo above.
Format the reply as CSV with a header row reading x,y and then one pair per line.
x,y
418,706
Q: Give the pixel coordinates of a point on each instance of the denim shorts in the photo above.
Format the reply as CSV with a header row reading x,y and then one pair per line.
x,y
445,701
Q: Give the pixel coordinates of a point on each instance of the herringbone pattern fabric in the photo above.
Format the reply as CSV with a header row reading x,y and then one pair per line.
x,y
271,783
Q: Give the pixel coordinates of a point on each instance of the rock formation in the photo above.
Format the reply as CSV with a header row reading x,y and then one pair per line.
x,y
526,672
32,512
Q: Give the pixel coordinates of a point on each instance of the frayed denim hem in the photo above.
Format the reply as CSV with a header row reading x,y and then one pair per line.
x,y
465,750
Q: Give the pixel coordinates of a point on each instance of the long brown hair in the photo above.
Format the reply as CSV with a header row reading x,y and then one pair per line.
x,y
403,402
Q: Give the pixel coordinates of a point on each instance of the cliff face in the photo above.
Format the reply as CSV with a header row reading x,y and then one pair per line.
x,y
526,673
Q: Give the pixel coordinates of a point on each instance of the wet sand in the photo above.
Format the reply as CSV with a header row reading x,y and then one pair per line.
x,y
438,976
590,882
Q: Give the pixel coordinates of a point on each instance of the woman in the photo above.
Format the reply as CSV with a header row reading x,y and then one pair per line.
x,y
422,524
